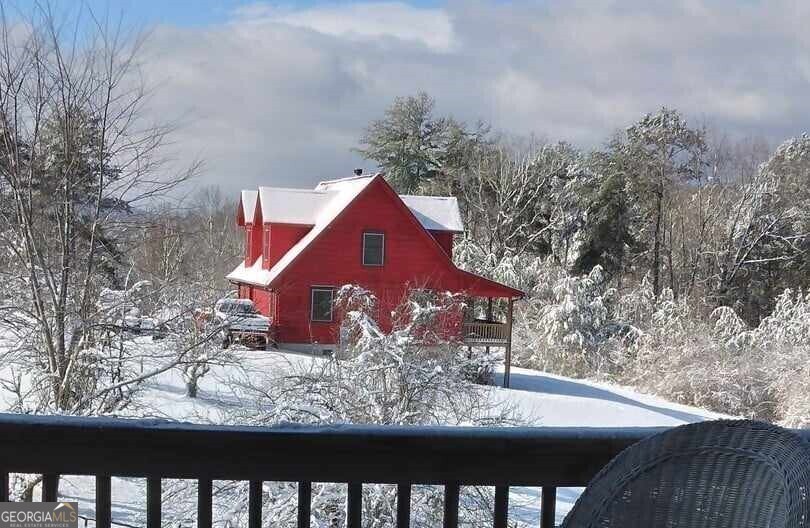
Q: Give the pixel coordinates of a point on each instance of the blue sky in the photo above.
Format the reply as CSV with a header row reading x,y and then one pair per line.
x,y
279,93
187,13
182,13
176,12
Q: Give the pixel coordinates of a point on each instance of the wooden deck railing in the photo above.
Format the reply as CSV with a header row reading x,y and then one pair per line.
x,y
503,457
481,333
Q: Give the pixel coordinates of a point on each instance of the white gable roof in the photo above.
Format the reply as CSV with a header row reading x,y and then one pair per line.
x,y
293,206
304,206
438,213
254,274
342,183
249,205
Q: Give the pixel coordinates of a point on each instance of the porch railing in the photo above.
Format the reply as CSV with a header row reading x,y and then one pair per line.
x,y
483,333
452,457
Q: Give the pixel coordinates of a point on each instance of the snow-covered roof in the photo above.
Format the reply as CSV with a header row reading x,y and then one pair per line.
x,y
439,213
293,206
322,217
340,183
249,205
254,274
304,206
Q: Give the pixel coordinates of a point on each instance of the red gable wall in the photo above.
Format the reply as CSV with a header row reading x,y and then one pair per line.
x,y
445,240
412,257
279,238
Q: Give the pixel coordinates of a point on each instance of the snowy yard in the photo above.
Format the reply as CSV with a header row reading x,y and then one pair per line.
x,y
542,399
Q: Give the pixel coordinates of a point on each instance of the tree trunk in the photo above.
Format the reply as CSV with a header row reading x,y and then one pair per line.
x,y
191,388
671,270
657,243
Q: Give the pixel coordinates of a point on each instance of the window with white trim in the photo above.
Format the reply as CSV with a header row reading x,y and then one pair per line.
x,y
322,303
373,249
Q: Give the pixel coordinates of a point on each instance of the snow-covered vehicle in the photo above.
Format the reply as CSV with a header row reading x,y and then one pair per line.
x,y
242,323
120,313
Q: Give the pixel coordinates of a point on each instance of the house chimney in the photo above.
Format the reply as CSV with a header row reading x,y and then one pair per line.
x,y
358,172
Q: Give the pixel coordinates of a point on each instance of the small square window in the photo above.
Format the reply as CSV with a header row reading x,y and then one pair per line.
x,y
322,302
373,249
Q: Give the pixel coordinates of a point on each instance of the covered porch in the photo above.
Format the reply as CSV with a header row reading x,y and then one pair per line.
x,y
488,318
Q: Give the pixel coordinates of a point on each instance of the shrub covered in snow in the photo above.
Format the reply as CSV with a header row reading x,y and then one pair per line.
x,y
672,347
567,324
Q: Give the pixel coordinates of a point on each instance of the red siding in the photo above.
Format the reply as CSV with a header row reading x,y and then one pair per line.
x,y
445,240
281,237
266,302
412,259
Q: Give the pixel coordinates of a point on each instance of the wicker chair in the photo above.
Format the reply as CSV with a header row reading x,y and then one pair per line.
x,y
721,474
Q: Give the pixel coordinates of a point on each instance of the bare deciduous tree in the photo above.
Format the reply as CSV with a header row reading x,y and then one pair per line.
x,y
77,156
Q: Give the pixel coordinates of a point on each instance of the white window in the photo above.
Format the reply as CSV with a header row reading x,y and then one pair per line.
x,y
373,249
322,302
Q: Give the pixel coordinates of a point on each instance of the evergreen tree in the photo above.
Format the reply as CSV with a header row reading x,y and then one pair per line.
x,y
419,152
658,153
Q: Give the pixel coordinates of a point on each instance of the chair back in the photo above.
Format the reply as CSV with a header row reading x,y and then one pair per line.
x,y
719,474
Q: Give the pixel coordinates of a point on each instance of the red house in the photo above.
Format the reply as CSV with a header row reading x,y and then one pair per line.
x,y
301,245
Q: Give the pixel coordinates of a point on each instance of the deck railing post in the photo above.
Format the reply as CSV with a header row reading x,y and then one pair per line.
x,y
354,505
205,490
501,506
451,493
103,501
3,486
501,513
548,507
153,502
50,487
403,506
255,504
304,504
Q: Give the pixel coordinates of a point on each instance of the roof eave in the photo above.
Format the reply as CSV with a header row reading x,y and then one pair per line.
x,y
509,292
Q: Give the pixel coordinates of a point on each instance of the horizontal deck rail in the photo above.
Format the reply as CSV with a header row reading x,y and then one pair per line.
x,y
544,457
480,333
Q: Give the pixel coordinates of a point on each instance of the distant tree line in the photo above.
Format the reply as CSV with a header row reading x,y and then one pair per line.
x,y
717,220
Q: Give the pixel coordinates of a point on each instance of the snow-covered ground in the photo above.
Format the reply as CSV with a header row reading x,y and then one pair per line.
x,y
544,399
557,401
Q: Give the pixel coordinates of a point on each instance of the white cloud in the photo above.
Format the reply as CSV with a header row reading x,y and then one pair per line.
x,y
281,95
364,22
